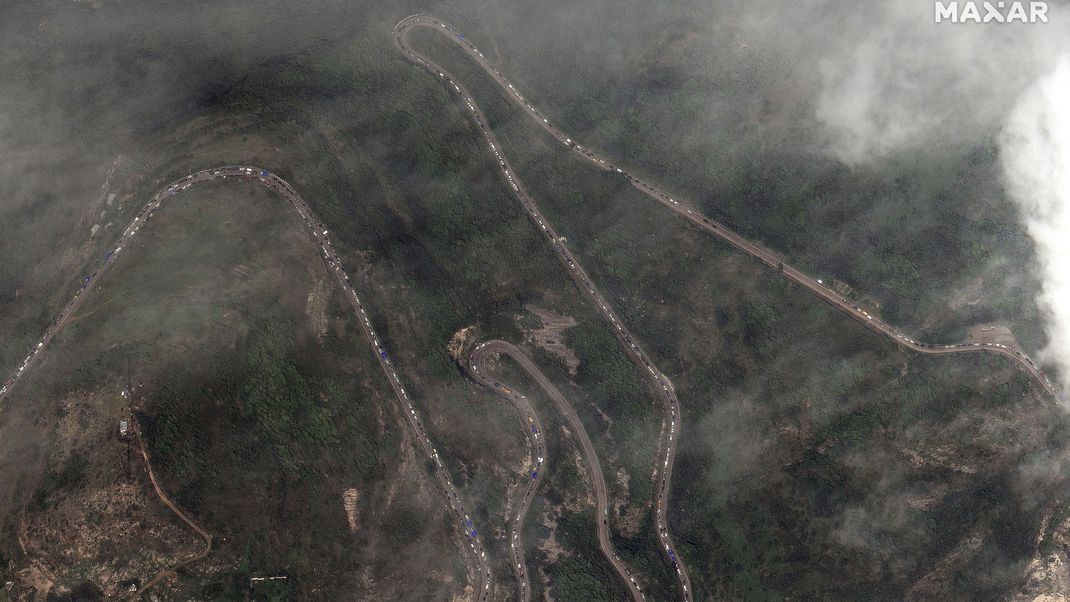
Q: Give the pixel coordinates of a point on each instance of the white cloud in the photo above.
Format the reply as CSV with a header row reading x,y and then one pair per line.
x,y
897,81
1035,151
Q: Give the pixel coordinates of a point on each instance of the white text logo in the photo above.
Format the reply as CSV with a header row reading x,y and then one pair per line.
x,y
991,12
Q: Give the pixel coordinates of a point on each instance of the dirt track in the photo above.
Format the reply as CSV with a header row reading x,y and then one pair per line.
x,y
167,501
476,556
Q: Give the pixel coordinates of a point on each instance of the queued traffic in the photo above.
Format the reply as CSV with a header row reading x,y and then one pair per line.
x,y
480,567
574,269
815,286
478,367
479,357
708,225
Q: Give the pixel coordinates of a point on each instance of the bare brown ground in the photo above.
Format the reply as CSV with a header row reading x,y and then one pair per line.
x,y
550,336
1048,576
113,530
991,333
167,501
349,503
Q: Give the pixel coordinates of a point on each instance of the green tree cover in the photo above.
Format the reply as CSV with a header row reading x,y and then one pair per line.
x,y
756,362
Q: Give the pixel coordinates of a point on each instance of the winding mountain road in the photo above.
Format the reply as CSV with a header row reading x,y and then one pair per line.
x,y
685,210
814,285
480,371
475,555
662,386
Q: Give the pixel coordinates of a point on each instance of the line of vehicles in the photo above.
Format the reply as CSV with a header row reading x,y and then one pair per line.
x,y
740,242
703,222
558,245
477,363
320,234
333,262
493,348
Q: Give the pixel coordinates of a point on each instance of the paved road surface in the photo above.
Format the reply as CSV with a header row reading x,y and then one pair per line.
x,y
479,365
475,555
478,368
685,210
813,285
662,386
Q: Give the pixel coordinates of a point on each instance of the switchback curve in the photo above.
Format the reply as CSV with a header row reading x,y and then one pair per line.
x,y
815,286
474,553
662,387
479,367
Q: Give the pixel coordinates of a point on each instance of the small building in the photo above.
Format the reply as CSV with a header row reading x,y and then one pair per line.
x,y
130,585
124,428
